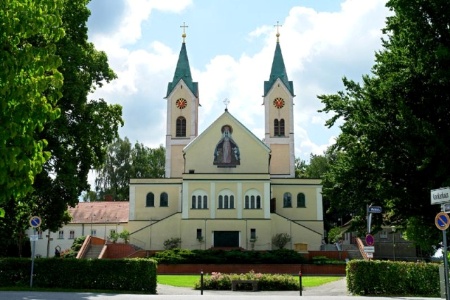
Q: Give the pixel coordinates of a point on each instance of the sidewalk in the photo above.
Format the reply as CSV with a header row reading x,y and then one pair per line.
x,y
336,290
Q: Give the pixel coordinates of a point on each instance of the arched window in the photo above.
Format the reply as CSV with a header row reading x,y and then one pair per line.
x,y
252,200
164,200
301,200
226,200
276,127
287,200
150,200
199,200
220,201
282,127
181,127
194,204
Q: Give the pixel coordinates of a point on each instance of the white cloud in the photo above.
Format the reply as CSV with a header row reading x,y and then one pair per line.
x,y
319,48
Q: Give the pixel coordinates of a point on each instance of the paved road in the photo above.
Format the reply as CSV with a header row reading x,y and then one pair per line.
x,y
335,291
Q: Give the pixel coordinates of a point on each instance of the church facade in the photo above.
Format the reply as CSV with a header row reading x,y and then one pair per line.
x,y
226,187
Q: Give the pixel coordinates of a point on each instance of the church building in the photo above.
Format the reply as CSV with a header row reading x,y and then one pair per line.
x,y
226,187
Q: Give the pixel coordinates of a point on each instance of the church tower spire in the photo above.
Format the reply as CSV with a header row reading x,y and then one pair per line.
x,y
182,113
279,116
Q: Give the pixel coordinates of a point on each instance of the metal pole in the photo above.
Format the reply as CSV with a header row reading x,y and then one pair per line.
x,y
201,283
32,259
444,242
300,281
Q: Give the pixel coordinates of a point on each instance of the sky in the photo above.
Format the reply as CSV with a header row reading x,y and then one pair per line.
x,y
230,46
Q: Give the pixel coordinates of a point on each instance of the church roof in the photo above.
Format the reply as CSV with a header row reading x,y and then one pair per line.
x,y
278,72
183,71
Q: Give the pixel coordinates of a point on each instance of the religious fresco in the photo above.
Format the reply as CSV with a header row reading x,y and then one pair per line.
x,y
226,153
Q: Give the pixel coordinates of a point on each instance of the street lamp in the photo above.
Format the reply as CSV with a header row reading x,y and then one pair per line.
x,y
393,240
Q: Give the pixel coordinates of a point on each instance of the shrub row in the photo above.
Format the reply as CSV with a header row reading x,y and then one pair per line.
x,y
393,278
185,256
99,274
266,282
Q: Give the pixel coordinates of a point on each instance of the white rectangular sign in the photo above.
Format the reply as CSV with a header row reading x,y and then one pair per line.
x,y
34,237
369,254
440,196
369,249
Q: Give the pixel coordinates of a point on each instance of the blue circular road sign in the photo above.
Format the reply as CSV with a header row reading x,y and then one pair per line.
x,y
35,221
442,221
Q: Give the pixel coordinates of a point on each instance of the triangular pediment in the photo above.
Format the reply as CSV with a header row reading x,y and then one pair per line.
x,y
226,146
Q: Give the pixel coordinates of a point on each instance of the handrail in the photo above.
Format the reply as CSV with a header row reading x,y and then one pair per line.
x,y
360,244
295,222
155,221
85,247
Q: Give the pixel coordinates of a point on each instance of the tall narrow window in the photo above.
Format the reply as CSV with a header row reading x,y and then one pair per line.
x,y
220,201
164,200
61,234
258,201
194,203
225,204
181,127
72,234
247,201
276,127
205,202
282,127
199,233
287,200
252,233
199,201
150,200
301,200
231,201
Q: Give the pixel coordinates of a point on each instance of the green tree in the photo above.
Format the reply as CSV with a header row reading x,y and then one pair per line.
x,y
124,162
395,129
30,86
77,140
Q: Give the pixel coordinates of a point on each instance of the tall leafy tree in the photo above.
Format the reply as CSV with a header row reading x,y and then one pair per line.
x,y
395,130
30,85
125,162
77,140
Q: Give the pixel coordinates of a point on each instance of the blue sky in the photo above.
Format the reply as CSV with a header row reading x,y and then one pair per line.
x,y
230,46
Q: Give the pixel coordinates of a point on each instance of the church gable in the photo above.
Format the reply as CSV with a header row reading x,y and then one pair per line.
x,y
226,146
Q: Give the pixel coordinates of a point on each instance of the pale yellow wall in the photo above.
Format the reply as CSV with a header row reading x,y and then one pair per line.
x,y
280,160
156,213
254,156
177,161
309,212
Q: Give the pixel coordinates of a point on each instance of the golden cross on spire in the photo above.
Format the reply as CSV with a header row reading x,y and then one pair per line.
x,y
278,29
184,26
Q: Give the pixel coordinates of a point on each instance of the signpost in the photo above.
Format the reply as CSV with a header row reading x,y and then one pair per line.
x,y
35,222
442,222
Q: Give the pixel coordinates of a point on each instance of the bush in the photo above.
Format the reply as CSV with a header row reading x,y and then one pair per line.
x,y
393,278
172,243
185,256
100,274
280,240
266,282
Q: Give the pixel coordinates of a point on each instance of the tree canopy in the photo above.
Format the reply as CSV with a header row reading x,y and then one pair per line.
x,y
30,86
124,162
395,127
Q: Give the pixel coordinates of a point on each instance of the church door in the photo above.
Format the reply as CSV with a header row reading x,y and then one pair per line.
x,y
226,238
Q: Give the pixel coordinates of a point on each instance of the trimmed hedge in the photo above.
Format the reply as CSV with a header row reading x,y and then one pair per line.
x,y
393,278
185,256
100,274
266,282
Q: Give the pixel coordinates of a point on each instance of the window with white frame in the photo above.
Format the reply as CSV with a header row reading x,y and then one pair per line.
x,y
226,200
252,200
61,234
72,234
93,232
199,200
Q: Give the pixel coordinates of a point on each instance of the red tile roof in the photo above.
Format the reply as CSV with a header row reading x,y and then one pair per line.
x,y
100,212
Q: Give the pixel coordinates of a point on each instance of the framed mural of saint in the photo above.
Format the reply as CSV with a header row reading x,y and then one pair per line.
x,y
226,153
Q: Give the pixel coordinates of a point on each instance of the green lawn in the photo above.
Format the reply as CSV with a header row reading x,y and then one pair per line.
x,y
190,280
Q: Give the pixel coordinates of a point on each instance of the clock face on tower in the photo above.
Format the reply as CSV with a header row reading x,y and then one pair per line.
x,y
181,103
278,103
